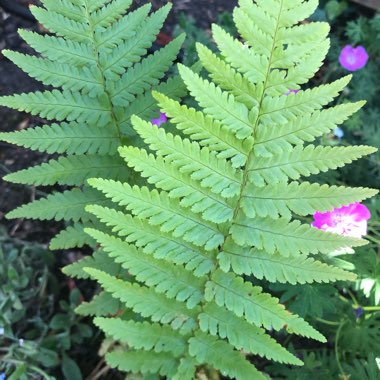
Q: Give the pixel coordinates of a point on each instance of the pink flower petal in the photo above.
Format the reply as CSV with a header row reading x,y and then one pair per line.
x,y
348,220
352,58
160,120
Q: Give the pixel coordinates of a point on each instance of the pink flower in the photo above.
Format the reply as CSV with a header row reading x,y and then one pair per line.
x,y
347,220
353,59
292,92
160,120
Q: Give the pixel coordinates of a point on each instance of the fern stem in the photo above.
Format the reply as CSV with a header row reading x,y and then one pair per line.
x,y
101,69
326,322
371,308
336,348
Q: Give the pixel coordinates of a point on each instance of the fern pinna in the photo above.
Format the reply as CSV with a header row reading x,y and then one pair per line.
x,y
223,204
97,63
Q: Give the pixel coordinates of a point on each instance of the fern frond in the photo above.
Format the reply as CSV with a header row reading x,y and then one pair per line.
x,y
209,349
189,157
86,37
257,307
131,51
218,104
144,335
277,268
243,335
145,106
147,302
178,185
65,7
124,29
110,13
240,57
69,205
70,138
102,304
71,237
288,239
303,162
72,170
228,78
87,79
61,25
60,49
281,109
145,74
66,105
299,198
305,129
143,362
174,281
152,241
206,130
158,209
99,260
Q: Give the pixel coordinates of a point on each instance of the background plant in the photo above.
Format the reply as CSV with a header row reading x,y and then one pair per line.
x,y
40,332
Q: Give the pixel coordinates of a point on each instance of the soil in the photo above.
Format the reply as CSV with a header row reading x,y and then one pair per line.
x,y
13,80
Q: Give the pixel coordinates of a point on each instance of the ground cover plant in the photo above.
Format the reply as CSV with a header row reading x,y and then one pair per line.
x,y
212,223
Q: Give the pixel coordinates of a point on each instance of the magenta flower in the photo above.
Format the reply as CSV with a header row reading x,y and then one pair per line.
x,y
292,92
347,220
352,58
160,120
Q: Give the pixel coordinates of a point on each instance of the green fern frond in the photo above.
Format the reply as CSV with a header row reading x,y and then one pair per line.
x,y
97,61
142,76
144,335
62,26
66,105
216,204
71,170
222,202
278,268
302,162
60,49
258,308
174,281
106,16
159,210
71,237
102,304
69,205
147,302
99,260
299,198
152,241
189,157
305,129
86,79
206,130
209,349
242,335
289,239
143,362
66,138
218,104
178,185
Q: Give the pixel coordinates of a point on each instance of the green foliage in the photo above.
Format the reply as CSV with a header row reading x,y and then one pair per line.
x,y
40,333
96,59
185,237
